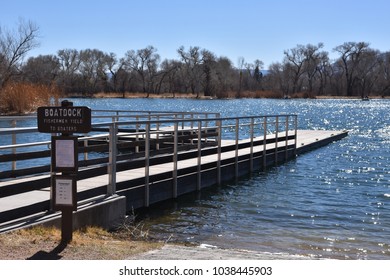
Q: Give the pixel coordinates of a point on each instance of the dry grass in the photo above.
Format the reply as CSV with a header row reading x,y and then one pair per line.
x,y
138,95
24,98
89,244
228,94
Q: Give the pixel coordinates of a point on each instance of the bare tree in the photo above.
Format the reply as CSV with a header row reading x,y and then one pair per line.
x,y
280,76
313,60
145,62
42,69
209,68
251,78
325,72
367,72
226,75
240,64
257,74
69,60
296,58
94,68
350,56
114,66
383,84
14,45
168,73
192,61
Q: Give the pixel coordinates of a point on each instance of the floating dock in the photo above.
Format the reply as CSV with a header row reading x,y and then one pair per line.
x,y
148,161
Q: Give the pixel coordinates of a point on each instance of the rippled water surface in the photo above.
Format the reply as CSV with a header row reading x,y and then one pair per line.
x,y
331,202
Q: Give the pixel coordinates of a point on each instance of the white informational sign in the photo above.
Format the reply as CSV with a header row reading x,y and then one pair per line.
x,y
64,192
65,153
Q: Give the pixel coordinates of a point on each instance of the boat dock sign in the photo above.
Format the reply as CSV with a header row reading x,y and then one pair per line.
x,y
70,119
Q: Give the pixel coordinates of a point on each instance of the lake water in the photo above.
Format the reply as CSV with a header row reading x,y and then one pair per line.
x,y
333,202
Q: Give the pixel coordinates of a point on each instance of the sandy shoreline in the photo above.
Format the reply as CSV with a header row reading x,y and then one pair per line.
x,y
42,243
205,252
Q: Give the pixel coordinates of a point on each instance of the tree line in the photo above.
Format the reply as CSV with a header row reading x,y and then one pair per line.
x,y
305,70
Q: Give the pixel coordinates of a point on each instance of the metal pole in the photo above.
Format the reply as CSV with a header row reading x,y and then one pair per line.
x,y
286,157
236,152
219,151
199,181
147,153
276,139
265,144
136,134
111,187
175,144
86,152
295,136
251,146
158,133
192,128
14,143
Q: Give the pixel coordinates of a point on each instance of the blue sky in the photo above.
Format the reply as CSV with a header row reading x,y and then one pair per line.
x,y
252,29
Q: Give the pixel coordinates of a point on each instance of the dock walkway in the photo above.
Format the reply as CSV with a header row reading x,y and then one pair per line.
x,y
192,173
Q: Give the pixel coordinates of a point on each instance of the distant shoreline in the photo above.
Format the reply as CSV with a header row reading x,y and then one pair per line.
x,y
202,97
186,96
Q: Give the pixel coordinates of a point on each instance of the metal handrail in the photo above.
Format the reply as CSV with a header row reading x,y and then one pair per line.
x,y
197,125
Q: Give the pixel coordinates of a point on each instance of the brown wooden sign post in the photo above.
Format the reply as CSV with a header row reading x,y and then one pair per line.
x,y
66,120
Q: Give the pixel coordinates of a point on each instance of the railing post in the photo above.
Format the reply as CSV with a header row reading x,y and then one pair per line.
x,y
136,134
286,156
158,133
14,143
295,136
265,144
175,148
251,144
85,152
219,151
207,122
276,138
192,128
236,152
147,154
111,187
199,176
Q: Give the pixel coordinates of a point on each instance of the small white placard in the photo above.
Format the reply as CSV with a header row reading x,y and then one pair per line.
x,y
64,195
65,153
